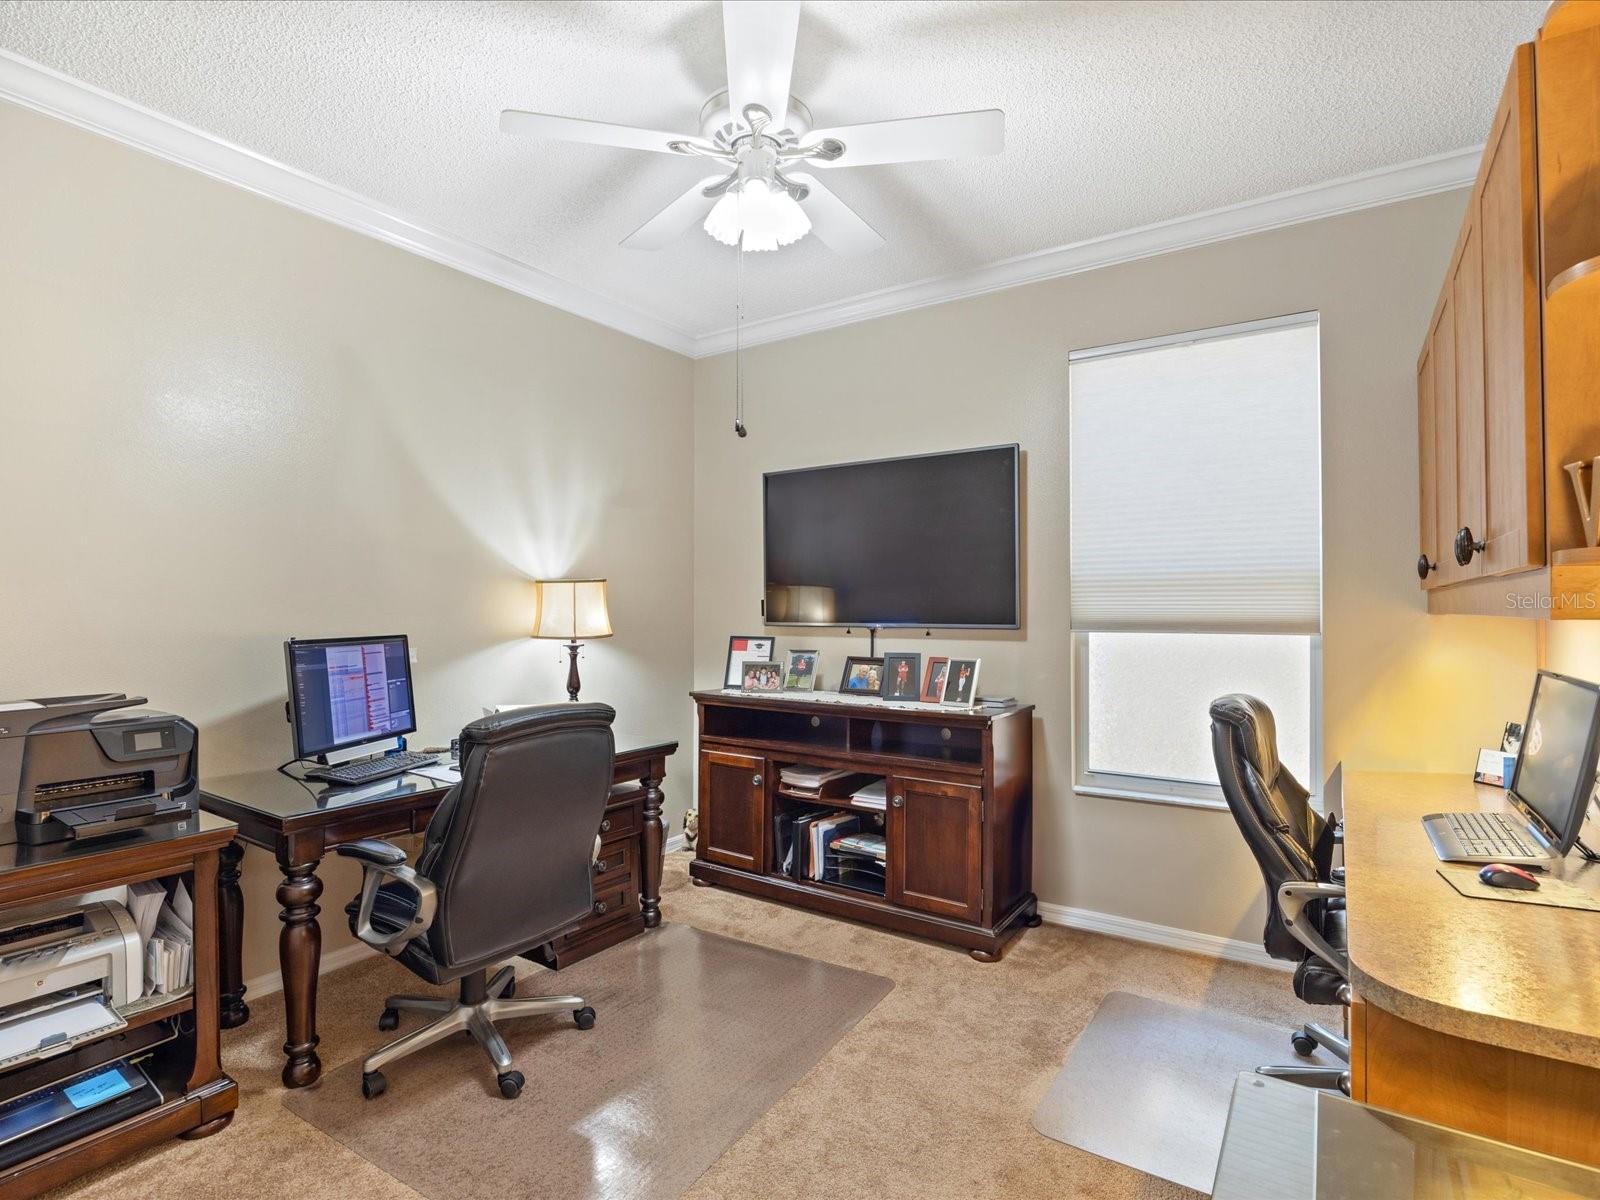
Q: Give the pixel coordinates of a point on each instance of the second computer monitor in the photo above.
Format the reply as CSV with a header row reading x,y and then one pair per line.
x,y
345,692
1555,772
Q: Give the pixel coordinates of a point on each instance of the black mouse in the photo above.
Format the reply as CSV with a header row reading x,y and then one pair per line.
x,y
1501,876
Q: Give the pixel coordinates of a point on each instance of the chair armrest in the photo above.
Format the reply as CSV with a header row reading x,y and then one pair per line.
x,y
380,863
1293,897
372,850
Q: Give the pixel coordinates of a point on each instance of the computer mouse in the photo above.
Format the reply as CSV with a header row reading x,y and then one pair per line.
x,y
1501,876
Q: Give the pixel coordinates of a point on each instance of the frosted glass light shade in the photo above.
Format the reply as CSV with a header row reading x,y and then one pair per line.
x,y
571,610
767,217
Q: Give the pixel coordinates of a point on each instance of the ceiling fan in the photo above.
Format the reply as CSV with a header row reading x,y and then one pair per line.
x,y
757,134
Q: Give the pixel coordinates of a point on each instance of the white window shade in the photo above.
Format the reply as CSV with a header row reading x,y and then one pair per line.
x,y
1195,488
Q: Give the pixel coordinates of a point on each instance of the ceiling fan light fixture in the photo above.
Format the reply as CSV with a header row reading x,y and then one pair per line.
x,y
758,215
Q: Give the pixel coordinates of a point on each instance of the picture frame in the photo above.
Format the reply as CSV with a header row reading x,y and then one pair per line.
x,y
862,676
800,670
761,677
934,677
902,677
743,648
961,685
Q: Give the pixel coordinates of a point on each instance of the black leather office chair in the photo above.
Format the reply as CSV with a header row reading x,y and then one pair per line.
x,y
1294,848
506,864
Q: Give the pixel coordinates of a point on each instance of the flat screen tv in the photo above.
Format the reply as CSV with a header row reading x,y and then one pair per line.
x,y
927,542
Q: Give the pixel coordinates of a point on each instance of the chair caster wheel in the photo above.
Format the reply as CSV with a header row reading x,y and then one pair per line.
x,y
511,1084
373,1084
389,1019
1304,1045
583,1018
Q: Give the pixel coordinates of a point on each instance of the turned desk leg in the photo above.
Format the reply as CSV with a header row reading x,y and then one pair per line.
x,y
230,908
655,848
299,955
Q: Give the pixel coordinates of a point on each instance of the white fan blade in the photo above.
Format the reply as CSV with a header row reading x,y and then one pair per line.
x,y
914,139
758,36
594,133
834,221
674,219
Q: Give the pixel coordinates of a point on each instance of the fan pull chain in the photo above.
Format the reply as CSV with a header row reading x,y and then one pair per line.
x,y
738,322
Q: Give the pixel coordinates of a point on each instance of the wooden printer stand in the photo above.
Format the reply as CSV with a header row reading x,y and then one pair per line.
x,y
957,823
179,1034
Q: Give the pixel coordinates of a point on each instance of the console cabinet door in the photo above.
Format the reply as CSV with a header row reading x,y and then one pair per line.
x,y
935,835
731,790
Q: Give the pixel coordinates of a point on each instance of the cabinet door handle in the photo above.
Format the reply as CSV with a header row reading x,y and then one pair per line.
x,y
1424,567
601,866
1466,547
605,826
755,781
600,908
898,802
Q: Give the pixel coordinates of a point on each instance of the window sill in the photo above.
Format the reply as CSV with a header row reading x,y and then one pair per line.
x,y
1168,798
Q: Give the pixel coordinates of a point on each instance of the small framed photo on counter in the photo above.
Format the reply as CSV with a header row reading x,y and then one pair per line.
x,y
761,677
902,676
743,649
799,670
961,687
862,676
933,681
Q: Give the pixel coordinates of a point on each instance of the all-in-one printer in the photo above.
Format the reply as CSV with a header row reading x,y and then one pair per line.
x,y
87,766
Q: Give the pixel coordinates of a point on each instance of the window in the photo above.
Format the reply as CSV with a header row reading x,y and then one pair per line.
x,y
1196,552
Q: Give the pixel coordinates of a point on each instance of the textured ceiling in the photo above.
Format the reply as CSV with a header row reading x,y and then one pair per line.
x,y
1117,115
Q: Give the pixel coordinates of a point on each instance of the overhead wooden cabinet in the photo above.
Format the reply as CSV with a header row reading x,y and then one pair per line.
x,y
1507,388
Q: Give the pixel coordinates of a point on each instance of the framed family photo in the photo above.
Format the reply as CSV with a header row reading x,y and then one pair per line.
x,y
761,677
862,676
933,681
902,676
743,649
799,670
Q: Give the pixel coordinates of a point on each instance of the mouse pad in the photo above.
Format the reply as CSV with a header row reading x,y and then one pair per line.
x,y
1552,893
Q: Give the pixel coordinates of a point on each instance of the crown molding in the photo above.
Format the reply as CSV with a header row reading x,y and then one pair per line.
x,y
35,86
1420,177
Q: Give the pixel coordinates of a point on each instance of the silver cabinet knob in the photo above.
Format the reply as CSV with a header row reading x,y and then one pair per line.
x,y
755,781
899,802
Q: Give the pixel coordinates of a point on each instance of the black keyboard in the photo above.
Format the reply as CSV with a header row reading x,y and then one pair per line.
x,y
365,770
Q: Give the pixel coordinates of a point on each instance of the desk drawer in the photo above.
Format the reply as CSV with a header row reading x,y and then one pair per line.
x,y
616,865
620,821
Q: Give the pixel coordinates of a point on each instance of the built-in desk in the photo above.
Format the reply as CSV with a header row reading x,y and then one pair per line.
x,y
1476,1014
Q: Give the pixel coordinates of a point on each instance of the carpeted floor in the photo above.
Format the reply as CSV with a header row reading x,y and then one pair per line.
x,y
929,1096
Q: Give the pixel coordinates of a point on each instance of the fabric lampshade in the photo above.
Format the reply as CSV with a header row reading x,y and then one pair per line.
x,y
571,610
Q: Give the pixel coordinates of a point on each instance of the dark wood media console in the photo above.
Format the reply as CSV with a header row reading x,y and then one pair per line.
x,y
957,827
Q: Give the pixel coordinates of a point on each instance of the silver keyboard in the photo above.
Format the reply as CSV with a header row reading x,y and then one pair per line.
x,y
1481,837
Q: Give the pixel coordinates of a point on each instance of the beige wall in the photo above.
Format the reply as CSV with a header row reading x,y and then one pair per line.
x,y
226,423
1401,690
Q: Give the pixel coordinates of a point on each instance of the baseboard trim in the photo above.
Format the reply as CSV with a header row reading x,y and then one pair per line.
x,y
1112,925
675,843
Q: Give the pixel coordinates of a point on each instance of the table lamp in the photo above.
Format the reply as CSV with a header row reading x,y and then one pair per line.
x,y
569,609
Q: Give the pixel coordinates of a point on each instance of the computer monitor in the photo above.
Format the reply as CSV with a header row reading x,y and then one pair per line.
x,y
345,692
1555,773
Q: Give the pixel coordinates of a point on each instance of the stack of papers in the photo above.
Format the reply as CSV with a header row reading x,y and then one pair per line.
x,y
874,795
169,948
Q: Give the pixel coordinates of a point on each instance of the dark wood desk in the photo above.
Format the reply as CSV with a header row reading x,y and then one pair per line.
x,y
299,822
199,1099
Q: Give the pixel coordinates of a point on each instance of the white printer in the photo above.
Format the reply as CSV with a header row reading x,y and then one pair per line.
x,y
64,973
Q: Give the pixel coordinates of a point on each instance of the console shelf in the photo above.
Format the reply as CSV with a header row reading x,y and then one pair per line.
x,y
958,827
